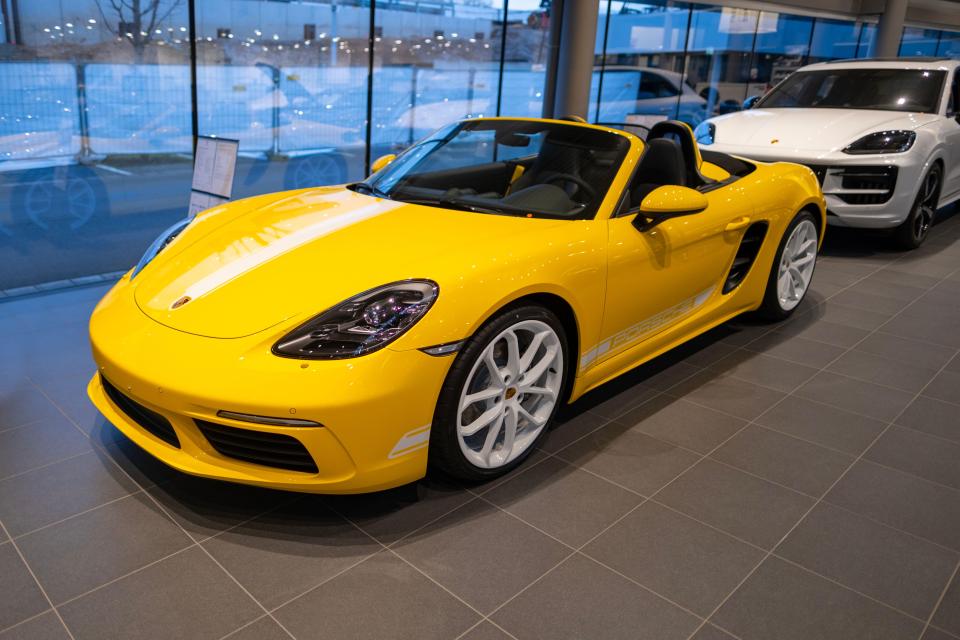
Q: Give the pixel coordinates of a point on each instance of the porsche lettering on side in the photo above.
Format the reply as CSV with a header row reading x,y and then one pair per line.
x,y
883,137
345,339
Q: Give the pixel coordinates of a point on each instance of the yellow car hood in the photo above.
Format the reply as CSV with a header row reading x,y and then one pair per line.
x,y
249,265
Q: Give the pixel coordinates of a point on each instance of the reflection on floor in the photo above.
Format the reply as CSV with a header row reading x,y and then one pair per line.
x,y
793,481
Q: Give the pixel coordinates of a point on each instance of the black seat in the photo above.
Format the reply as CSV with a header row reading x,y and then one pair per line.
x,y
683,135
662,164
543,197
554,159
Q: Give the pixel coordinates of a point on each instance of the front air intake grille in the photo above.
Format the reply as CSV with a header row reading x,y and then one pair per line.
x,y
151,421
864,198
876,182
880,180
867,177
259,447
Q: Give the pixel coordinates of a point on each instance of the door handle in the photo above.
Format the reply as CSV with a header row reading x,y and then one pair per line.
x,y
737,223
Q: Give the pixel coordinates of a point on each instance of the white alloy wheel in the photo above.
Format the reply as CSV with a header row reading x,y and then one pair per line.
x,y
510,394
796,265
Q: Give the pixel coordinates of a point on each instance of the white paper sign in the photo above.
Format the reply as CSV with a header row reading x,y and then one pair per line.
x,y
214,166
734,20
768,22
202,201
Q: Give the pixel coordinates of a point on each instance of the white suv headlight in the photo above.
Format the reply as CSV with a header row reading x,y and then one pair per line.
x,y
882,142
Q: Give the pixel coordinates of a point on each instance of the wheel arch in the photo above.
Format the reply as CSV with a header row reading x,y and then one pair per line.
x,y
568,317
936,158
445,447
819,217
564,310
932,149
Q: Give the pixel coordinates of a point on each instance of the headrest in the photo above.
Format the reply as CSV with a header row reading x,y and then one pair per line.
x,y
683,135
662,163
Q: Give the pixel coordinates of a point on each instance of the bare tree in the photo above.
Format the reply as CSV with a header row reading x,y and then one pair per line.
x,y
136,20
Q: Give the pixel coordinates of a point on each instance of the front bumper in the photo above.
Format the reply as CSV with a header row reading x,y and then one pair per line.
x,y
867,191
375,410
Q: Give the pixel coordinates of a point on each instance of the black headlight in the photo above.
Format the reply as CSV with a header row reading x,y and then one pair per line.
x,y
705,132
882,142
158,245
364,323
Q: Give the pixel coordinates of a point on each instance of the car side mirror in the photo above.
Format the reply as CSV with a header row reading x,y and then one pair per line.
x,y
382,161
750,102
667,202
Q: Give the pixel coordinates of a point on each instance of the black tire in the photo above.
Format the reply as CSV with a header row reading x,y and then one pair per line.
x,y
771,309
445,453
916,227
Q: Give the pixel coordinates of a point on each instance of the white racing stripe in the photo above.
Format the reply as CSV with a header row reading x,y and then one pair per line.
x,y
256,257
411,441
644,328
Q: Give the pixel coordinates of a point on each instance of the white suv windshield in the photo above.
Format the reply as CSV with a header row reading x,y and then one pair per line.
x,y
915,90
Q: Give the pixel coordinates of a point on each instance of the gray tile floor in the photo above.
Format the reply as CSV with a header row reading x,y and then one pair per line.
x,y
793,481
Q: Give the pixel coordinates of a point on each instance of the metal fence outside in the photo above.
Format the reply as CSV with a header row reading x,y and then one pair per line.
x,y
146,109
39,111
137,108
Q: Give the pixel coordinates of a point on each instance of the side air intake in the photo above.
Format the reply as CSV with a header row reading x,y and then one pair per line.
x,y
749,248
149,420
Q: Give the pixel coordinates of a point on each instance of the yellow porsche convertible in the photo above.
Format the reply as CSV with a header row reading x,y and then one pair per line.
x,y
344,339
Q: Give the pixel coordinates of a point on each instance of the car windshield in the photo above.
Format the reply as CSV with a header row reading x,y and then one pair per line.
x,y
510,167
916,90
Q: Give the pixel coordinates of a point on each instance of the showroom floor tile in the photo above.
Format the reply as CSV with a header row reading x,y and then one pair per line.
x,y
792,481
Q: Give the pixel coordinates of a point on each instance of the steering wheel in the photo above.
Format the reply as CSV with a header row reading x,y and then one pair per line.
x,y
582,184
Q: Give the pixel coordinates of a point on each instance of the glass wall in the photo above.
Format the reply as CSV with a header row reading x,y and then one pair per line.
x,y
527,47
782,46
639,76
433,68
95,135
97,116
834,40
290,83
662,59
916,41
919,42
719,46
868,38
949,44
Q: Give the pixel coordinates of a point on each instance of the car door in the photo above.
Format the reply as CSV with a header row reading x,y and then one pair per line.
x,y
658,277
951,136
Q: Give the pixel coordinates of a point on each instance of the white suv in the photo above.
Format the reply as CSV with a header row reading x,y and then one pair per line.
x,y
882,136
